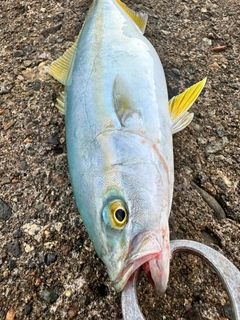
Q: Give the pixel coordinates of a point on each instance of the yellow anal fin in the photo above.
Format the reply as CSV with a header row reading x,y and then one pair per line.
x,y
61,103
60,68
139,18
179,105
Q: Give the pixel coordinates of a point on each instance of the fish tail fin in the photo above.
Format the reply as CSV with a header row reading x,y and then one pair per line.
x,y
179,105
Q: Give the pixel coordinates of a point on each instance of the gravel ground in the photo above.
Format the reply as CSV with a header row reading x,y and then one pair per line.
x,y
48,267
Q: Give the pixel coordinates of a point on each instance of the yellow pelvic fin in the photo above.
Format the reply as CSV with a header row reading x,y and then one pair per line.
x,y
139,18
60,68
179,105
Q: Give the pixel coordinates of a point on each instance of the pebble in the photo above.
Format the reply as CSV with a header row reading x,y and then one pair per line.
x,y
39,207
14,248
18,53
27,309
31,264
5,211
17,234
5,274
50,245
52,140
215,146
49,295
4,181
33,230
36,86
193,313
58,226
202,140
73,309
11,264
27,63
207,41
50,258
27,48
51,30
68,293
236,104
28,248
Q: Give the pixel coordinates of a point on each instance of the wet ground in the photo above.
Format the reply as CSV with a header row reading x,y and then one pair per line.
x,y
48,267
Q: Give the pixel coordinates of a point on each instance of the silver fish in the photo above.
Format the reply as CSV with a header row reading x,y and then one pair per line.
x,y
119,126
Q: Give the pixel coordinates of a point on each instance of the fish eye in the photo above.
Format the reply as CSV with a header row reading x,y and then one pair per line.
x,y
118,215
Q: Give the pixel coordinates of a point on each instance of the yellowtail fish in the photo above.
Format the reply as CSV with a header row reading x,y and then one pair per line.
x,y
119,126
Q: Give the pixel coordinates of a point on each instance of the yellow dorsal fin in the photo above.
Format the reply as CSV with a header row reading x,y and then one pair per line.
x,y
60,68
179,105
139,18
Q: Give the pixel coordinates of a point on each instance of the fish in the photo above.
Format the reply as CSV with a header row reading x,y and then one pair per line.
x,y
119,127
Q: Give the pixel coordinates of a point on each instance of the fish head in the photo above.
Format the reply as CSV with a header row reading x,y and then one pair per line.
x,y
133,229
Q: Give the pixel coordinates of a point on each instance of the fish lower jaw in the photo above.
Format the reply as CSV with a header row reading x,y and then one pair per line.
x,y
157,274
130,268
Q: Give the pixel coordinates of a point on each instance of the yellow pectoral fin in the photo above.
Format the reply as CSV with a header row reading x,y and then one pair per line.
x,y
139,18
179,105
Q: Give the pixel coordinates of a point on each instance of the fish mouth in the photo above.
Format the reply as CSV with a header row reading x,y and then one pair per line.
x,y
147,250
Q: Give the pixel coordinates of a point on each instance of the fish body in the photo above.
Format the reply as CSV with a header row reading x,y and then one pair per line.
x,y
119,127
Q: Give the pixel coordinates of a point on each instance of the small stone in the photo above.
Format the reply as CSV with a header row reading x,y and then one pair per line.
x,y
39,207
207,41
27,63
167,33
51,30
176,72
58,226
14,248
235,86
193,313
52,140
31,264
27,141
28,248
215,65
27,48
4,181
36,85
49,295
18,53
202,140
11,264
73,309
17,234
50,245
68,293
5,274
236,104
50,258
216,146
5,211
196,127
27,309
33,230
